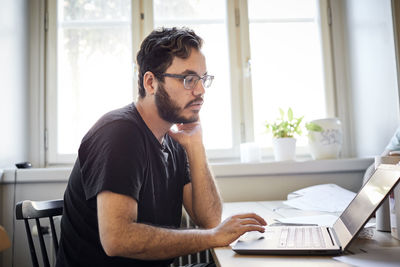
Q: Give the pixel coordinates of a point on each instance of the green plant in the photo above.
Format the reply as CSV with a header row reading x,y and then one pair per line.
x,y
313,127
285,127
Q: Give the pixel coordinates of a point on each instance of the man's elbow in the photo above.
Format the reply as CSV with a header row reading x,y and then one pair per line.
x,y
214,223
210,223
111,246
115,246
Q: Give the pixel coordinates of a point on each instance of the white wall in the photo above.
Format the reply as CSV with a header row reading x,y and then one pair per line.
x,y
13,82
367,73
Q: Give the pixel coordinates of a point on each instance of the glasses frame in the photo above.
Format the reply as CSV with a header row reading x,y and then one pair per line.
x,y
184,76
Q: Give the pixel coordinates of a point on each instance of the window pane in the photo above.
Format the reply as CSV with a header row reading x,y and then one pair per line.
x,y
208,19
286,69
281,9
73,10
94,72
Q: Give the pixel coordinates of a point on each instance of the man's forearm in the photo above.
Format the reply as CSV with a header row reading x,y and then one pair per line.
x,y
146,242
206,200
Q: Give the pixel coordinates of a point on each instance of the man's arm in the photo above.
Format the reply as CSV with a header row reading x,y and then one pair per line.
x,y
200,197
121,235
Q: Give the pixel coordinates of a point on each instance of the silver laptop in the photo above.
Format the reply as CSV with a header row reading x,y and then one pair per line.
x,y
321,240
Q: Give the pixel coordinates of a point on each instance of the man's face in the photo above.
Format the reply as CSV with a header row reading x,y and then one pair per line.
x,y
176,104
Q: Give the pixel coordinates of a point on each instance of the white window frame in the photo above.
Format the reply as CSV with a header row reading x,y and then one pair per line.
x,y
51,88
240,69
51,140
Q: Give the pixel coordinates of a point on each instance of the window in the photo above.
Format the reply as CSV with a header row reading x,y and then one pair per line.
x,y
286,62
264,55
201,16
93,70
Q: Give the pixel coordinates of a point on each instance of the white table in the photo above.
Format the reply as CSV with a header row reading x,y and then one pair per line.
x,y
269,210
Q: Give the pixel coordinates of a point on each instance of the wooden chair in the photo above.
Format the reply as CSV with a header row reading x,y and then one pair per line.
x,y
28,210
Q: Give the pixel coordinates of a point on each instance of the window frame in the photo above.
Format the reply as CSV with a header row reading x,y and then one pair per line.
x,y
240,69
51,89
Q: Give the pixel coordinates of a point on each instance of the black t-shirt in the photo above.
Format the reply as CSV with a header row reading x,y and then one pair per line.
x,y
120,154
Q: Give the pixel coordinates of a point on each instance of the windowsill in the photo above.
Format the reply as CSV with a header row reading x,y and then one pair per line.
x,y
290,167
220,170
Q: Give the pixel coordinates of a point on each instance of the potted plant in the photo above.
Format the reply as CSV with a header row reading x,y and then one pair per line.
x,y
324,138
283,131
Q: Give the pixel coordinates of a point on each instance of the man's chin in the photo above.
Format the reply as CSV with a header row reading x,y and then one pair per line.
x,y
190,119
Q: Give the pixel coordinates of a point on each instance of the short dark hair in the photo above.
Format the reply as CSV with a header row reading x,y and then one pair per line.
x,y
159,48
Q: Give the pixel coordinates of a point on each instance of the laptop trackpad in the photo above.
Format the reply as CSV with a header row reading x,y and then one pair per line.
x,y
257,238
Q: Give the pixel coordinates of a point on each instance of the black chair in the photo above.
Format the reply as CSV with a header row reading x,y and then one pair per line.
x,y
27,210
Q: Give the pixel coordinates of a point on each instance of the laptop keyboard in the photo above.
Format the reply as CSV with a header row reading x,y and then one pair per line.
x,y
298,237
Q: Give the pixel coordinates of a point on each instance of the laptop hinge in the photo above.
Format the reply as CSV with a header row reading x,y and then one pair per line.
x,y
334,237
330,235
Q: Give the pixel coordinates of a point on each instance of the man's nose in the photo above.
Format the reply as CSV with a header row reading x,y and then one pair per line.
x,y
199,89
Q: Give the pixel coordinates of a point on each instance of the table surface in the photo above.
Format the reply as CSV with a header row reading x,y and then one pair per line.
x,y
269,210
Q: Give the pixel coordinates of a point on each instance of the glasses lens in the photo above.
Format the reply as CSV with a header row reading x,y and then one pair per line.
x,y
190,81
207,81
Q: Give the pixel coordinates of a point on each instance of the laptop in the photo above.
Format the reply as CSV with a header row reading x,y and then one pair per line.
x,y
322,240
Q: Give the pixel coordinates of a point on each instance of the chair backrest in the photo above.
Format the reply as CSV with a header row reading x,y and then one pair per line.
x,y
34,210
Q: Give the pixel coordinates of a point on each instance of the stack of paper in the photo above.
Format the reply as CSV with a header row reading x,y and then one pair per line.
x,y
325,197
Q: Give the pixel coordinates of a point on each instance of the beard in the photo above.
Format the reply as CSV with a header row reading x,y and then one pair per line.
x,y
169,110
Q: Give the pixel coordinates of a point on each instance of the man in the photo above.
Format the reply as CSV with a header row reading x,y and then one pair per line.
x,y
123,202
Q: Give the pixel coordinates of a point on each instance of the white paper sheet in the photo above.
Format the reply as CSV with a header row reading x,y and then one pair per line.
x,y
382,257
325,197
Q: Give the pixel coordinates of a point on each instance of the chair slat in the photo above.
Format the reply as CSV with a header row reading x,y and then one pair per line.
x,y
31,245
54,234
26,210
42,244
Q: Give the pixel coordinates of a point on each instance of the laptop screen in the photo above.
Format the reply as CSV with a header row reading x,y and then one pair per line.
x,y
366,202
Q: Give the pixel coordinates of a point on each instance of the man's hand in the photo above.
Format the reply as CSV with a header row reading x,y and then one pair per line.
x,y
188,134
235,226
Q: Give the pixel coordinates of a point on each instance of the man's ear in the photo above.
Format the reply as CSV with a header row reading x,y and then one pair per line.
x,y
149,83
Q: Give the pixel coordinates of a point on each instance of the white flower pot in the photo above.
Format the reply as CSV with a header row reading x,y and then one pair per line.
x,y
328,143
284,148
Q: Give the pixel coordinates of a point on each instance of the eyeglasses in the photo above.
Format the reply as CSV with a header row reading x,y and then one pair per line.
x,y
190,80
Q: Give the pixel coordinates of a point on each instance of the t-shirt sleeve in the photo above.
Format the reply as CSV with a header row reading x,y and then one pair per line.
x,y
112,159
